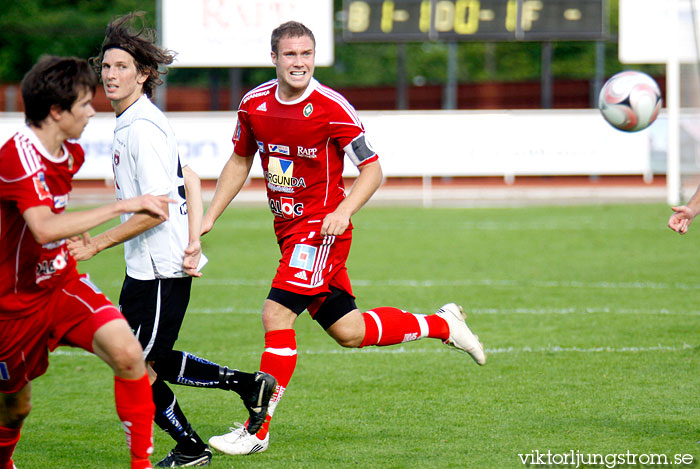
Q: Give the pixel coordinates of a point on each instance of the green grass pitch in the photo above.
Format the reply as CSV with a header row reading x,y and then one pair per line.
x,y
590,316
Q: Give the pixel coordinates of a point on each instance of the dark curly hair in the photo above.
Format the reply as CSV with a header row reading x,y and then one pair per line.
x,y
130,34
53,81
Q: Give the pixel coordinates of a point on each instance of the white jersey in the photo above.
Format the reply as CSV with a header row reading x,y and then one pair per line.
x,y
145,161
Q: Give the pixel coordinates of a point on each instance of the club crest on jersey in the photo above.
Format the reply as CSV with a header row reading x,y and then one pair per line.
x,y
308,109
280,175
281,149
261,147
115,158
40,186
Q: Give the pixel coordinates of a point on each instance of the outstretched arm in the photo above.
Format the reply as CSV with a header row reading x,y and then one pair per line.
x,y
230,182
365,186
86,248
683,215
47,226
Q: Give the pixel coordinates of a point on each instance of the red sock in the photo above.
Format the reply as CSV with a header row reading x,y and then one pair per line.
x,y
389,326
8,440
135,408
279,359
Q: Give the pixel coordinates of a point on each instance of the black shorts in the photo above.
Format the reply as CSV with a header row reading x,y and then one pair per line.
x,y
324,309
155,310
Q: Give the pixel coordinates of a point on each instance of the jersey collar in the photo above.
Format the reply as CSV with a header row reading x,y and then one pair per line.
x,y
313,84
27,132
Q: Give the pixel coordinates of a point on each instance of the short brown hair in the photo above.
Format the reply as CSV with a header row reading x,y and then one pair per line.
x,y
130,34
289,29
53,81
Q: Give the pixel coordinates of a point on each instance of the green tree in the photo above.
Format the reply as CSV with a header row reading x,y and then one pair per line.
x,y
31,28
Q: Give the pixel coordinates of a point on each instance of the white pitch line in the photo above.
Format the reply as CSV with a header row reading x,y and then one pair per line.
x,y
228,310
399,350
561,225
563,311
474,283
493,311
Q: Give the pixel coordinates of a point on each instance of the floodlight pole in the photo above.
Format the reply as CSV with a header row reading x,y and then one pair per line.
x,y
673,156
449,94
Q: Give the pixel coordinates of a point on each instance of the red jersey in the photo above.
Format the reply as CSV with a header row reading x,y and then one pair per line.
x,y
301,144
29,177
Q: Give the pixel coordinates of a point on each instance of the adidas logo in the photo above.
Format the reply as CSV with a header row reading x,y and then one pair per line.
x,y
262,107
301,275
256,447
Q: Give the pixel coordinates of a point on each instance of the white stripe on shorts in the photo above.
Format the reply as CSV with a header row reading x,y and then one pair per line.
x,y
156,321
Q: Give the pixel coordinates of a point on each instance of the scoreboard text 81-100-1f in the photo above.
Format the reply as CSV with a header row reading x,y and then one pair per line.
x,y
482,20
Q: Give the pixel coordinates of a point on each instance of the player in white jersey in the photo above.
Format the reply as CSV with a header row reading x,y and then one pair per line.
x,y
145,160
161,258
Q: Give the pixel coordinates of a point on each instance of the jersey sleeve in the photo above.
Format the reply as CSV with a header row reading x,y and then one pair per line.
x,y
348,131
22,179
149,148
244,143
28,192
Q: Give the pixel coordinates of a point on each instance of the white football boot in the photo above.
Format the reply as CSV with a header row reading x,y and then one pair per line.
x,y
461,337
239,441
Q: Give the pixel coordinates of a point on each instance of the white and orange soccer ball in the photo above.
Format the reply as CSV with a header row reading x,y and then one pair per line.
x,y
630,101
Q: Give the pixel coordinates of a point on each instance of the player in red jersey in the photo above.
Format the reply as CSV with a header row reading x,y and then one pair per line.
x,y
44,301
302,129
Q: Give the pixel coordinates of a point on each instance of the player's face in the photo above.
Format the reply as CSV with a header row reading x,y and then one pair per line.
x,y
73,122
123,83
295,65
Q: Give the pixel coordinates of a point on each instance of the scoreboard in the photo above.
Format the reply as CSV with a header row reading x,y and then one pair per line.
x,y
480,20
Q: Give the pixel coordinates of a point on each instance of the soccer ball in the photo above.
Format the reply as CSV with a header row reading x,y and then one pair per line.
x,y
630,101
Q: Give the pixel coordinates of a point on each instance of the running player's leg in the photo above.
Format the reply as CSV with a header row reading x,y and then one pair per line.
x,y
279,359
23,358
117,346
187,369
381,326
14,408
91,322
389,326
386,325
155,310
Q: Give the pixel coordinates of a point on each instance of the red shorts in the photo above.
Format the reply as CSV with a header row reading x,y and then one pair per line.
x,y
71,316
311,263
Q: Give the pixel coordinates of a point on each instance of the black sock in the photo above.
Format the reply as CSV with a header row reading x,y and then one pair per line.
x,y
190,370
169,418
